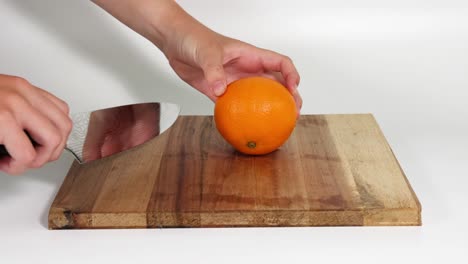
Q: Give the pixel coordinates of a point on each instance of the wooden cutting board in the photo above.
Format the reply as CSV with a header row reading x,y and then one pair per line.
x,y
335,170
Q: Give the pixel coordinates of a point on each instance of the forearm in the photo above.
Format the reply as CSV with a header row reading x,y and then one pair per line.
x,y
159,21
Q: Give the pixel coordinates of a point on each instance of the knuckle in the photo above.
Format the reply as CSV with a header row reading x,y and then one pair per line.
x,y
288,59
66,107
14,100
28,157
214,73
68,126
62,105
39,161
20,82
54,139
36,165
172,62
55,156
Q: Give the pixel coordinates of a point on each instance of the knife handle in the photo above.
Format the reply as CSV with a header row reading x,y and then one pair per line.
x,y
4,151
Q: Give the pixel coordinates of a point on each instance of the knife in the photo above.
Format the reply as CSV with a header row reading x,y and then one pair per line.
x,y
105,132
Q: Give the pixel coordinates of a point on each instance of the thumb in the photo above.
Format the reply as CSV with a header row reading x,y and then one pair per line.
x,y
215,76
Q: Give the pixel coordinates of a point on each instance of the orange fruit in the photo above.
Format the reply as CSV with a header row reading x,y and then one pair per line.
x,y
256,115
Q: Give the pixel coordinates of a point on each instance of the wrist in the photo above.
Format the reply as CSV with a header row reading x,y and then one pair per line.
x,y
172,26
156,20
159,21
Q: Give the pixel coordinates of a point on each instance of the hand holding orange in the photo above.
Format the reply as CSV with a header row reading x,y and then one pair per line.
x,y
256,115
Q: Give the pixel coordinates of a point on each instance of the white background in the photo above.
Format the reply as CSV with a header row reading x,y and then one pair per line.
x,y
405,62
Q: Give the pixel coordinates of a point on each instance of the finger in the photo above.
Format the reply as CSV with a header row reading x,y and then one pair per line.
x,y
54,109
273,61
42,130
191,75
211,63
18,145
57,111
298,100
57,101
12,167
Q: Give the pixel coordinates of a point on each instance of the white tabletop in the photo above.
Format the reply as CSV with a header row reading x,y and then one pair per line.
x,y
407,63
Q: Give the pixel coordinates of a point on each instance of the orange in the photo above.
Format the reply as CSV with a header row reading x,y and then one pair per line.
x,y
256,115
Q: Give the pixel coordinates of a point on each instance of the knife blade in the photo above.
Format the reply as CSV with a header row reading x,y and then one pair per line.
x,y
105,132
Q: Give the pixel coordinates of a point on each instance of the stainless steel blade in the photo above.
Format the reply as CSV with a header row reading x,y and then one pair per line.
x,y
102,133
106,132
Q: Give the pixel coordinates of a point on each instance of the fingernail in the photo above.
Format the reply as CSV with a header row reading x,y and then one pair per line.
x,y
219,88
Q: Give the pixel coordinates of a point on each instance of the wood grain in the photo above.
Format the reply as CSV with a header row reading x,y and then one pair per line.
x,y
334,170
